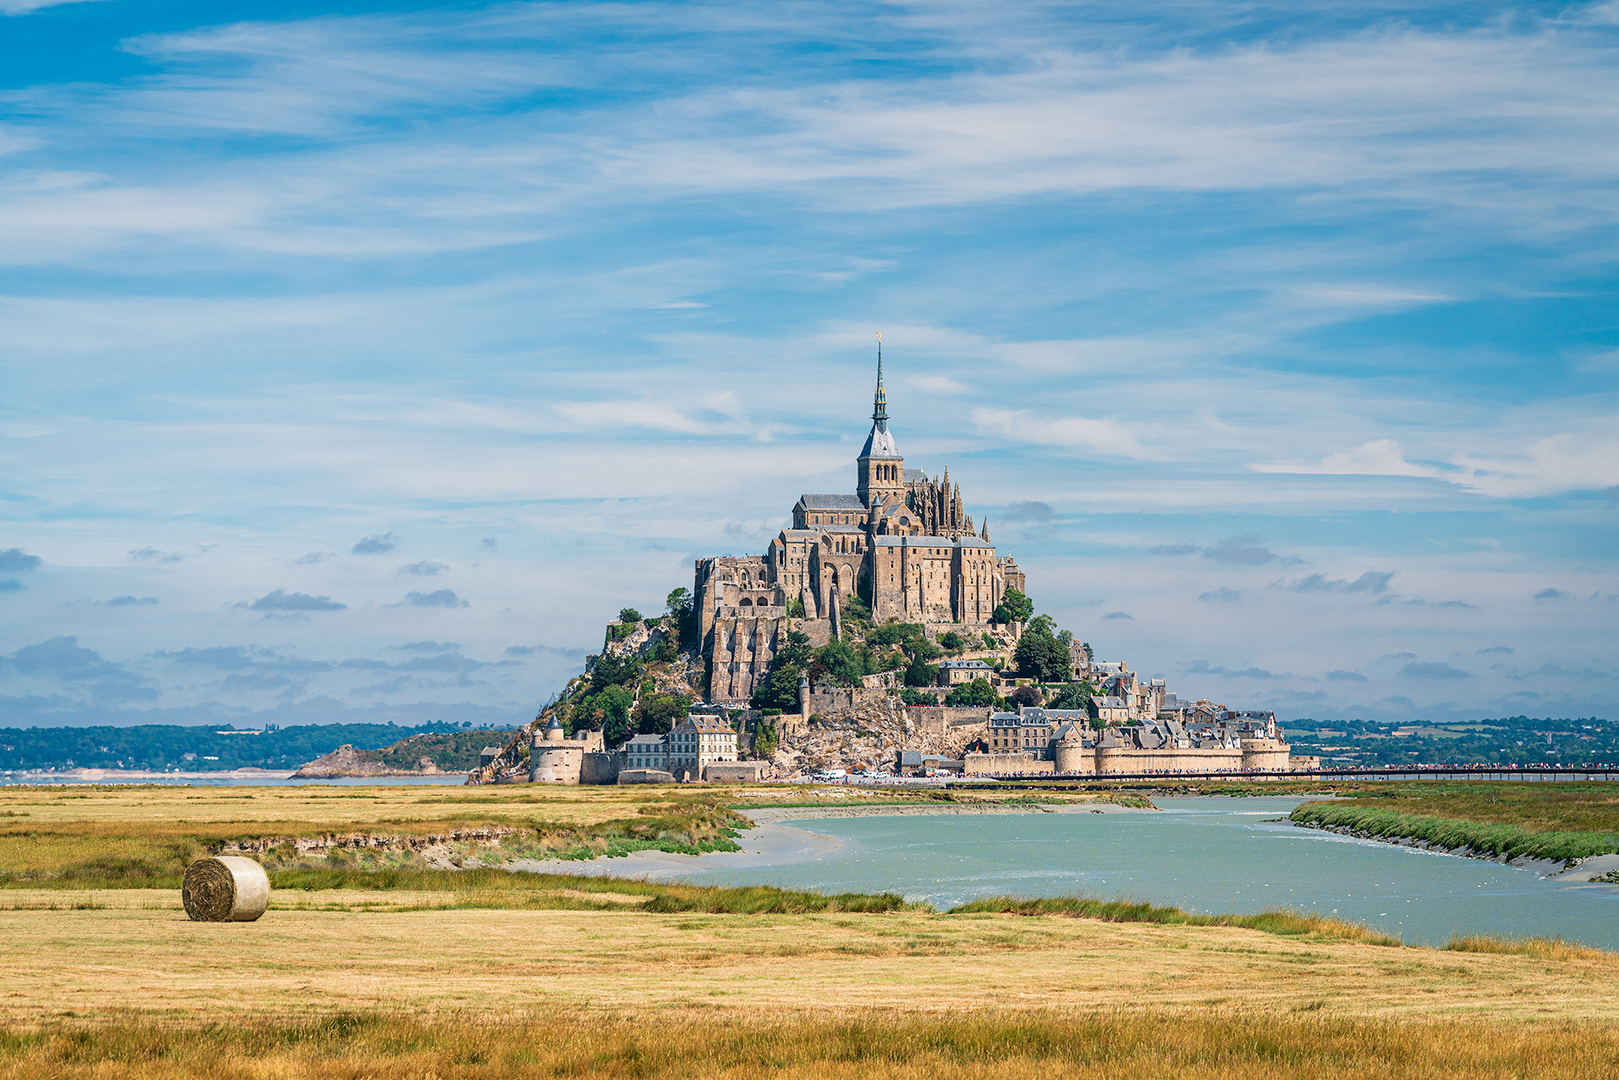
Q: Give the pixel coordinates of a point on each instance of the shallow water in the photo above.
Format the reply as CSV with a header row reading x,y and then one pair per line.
x,y
1202,854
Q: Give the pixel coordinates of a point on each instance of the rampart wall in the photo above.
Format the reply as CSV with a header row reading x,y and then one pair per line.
x,y
1128,759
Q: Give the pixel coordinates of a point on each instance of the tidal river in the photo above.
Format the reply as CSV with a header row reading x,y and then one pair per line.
x,y
1202,854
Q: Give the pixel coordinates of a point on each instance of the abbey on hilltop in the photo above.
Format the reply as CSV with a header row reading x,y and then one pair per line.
x,y
902,542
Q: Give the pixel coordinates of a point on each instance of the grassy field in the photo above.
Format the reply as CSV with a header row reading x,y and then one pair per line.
x,y
90,957
362,969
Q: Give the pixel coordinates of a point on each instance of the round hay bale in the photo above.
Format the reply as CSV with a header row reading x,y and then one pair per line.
x,y
227,889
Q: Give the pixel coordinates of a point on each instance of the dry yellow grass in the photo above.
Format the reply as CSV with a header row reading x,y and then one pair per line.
x,y
80,961
313,807
1144,1043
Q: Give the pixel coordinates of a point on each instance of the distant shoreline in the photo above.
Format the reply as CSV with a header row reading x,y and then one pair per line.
x,y
38,777
92,775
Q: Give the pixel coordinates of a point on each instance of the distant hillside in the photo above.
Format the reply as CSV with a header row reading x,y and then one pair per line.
x,y
203,749
431,752
1512,740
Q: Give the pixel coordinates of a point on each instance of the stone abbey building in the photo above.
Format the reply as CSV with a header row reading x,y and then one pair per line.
x,y
902,542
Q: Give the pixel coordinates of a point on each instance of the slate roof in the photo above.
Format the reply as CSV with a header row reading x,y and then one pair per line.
x,y
706,724
930,541
880,444
831,502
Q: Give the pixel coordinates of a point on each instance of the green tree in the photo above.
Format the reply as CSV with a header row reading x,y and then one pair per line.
x,y
608,712
612,671
1025,695
1041,655
765,739
952,641
1014,607
894,632
976,694
917,697
629,615
921,648
795,608
843,664
795,650
921,673
1072,696
779,690
659,713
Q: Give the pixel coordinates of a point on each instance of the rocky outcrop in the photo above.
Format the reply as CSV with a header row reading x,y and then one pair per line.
x,y
346,761
870,734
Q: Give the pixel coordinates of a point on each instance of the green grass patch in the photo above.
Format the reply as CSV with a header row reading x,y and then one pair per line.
x,y
1483,837
491,888
1292,924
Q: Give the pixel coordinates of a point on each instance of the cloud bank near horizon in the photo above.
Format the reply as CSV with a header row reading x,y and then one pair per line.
x,y
1275,342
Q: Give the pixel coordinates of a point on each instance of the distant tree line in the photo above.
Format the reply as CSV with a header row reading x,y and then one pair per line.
x,y
196,749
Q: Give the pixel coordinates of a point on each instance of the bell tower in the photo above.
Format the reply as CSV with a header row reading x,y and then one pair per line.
x,y
880,471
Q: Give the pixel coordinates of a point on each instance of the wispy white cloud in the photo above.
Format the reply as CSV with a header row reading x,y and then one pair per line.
x,y
1380,457
24,7
1071,432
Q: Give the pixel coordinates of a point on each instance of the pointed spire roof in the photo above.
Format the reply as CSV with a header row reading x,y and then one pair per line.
x,y
879,444
879,401
984,536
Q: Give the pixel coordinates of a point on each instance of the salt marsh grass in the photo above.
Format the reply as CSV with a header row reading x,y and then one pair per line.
x,y
1150,1044
1298,924
1543,948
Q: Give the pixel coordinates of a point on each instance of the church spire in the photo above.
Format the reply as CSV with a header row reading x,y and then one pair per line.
x,y
879,403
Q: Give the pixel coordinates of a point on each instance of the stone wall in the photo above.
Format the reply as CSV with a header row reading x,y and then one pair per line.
x,y
600,768
644,776
1128,759
1008,765
948,716
732,772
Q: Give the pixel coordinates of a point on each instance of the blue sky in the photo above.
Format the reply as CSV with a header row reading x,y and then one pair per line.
x,y
359,361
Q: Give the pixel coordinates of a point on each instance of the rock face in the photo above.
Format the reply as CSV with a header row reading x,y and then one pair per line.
x,y
870,735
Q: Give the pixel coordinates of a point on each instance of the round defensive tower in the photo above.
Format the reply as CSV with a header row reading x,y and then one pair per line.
x,y
1072,757
1265,755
